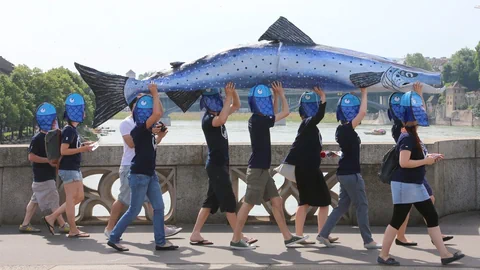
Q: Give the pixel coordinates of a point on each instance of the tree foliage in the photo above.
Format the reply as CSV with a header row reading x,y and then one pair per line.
x,y
25,89
462,68
417,60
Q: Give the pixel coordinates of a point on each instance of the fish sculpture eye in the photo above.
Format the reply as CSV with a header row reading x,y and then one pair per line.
x,y
408,74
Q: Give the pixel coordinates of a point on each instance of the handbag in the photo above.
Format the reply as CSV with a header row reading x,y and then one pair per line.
x,y
287,171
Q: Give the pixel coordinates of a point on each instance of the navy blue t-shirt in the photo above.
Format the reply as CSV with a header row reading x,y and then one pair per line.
x,y
306,149
217,141
71,162
259,128
145,150
41,171
410,175
349,143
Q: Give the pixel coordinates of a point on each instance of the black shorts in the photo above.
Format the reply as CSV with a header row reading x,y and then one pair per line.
x,y
220,192
311,186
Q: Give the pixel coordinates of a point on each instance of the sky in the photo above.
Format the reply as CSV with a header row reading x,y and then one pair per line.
x,y
116,36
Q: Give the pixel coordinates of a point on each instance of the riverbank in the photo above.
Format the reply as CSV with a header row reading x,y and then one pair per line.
x,y
192,116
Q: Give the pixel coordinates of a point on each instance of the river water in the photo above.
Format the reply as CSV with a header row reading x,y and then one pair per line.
x,y
191,132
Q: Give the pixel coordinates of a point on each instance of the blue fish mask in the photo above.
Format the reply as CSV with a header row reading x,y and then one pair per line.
x,y
143,109
260,100
395,109
75,107
309,102
211,100
412,109
348,108
45,116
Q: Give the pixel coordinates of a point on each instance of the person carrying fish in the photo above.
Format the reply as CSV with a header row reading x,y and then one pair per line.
x,y
143,180
45,193
260,185
407,181
220,192
350,112
305,156
71,150
126,126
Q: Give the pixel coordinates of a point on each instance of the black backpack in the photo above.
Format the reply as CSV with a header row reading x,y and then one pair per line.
x,y
389,165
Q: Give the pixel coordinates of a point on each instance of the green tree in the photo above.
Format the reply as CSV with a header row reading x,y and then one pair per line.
x,y
477,58
417,60
10,104
462,68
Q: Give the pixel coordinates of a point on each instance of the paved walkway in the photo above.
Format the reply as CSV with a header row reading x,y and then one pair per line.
x,y
42,251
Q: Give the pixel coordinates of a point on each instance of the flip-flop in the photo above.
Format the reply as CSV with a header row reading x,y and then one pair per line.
x,y
50,228
252,241
305,242
201,243
79,235
113,245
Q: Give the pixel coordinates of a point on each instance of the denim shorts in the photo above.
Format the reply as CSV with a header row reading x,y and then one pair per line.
x,y
69,176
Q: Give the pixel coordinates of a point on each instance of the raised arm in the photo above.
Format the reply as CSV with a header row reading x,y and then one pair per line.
x,y
278,90
221,118
157,106
418,89
321,108
363,109
236,101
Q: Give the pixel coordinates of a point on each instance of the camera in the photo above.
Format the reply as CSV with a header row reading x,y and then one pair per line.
x,y
163,128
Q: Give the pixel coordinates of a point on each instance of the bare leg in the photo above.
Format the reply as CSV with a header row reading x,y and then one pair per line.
x,y
279,216
70,196
241,220
117,208
60,219
437,239
322,217
30,211
201,219
402,230
388,238
300,217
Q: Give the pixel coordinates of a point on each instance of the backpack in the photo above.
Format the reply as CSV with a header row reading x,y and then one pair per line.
x,y
389,165
53,141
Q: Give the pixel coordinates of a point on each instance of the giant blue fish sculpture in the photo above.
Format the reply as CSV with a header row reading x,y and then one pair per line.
x,y
286,54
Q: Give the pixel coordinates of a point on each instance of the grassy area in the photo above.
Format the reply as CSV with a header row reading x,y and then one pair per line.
x,y
192,116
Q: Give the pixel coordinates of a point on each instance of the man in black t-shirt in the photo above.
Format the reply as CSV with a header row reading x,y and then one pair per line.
x,y
45,193
260,185
220,192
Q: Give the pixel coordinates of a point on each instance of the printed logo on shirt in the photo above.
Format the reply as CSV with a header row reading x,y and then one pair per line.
x,y
224,132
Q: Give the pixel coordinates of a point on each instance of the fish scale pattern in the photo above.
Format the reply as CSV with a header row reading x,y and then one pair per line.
x,y
75,112
350,112
308,109
420,115
262,105
45,121
142,114
213,103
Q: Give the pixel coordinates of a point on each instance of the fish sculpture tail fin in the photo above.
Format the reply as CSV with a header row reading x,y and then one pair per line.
x,y
108,90
184,99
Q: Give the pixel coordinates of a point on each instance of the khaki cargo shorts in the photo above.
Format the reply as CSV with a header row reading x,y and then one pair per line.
x,y
260,186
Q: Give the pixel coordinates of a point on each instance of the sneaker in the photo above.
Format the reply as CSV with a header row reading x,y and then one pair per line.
x,y
28,229
241,245
325,241
107,233
295,240
373,245
172,230
64,229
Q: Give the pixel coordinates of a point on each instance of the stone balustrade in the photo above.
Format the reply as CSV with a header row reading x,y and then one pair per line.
x,y
180,167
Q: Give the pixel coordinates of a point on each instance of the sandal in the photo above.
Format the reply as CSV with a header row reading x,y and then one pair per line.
x,y
201,243
50,228
118,248
79,235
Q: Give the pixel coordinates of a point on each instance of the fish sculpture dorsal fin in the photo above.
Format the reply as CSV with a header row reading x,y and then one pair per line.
x,y
176,64
285,31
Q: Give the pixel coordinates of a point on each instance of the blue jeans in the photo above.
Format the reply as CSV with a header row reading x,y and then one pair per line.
x,y
352,190
140,186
